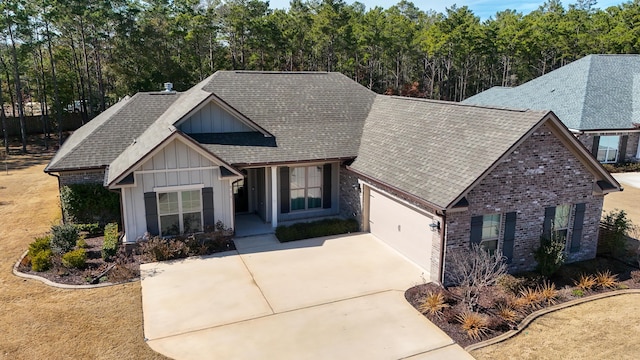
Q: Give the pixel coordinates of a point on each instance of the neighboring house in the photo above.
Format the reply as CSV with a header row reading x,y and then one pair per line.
x,y
596,97
427,177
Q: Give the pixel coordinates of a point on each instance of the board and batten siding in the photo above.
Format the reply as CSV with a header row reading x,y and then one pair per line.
x,y
211,118
176,157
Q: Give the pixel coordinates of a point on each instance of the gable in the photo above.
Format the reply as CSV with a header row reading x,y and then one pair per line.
x,y
211,118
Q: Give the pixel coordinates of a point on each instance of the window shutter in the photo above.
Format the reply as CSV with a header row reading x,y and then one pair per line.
x,y
509,236
326,186
151,213
549,215
284,190
207,207
596,144
576,234
623,148
476,229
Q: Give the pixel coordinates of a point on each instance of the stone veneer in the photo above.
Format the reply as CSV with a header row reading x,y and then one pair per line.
x,y
350,196
540,173
82,177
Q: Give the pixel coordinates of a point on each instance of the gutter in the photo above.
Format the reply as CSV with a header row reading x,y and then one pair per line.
x,y
443,238
57,177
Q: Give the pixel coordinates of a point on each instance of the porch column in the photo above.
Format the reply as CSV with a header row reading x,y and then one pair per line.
x,y
274,196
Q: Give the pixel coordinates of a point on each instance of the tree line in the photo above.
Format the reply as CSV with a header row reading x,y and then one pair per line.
x,y
91,53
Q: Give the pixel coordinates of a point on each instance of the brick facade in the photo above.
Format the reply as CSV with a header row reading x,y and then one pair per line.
x,y
540,173
632,142
82,177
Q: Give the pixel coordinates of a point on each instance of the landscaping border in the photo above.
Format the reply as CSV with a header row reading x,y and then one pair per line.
x,y
18,273
534,315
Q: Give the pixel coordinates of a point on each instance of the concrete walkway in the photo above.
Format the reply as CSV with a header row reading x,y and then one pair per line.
x,y
631,178
337,298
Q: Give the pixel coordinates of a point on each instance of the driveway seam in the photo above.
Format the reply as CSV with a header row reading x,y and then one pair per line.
x,y
274,313
241,256
453,343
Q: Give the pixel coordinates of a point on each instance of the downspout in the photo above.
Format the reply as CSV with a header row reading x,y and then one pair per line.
x,y
443,232
61,209
119,192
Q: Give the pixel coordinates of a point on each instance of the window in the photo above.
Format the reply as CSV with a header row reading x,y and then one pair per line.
x,y
561,221
490,232
608,149
306,187
180,212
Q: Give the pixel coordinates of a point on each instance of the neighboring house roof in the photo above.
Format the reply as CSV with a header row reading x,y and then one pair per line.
x,y
435,149
596,92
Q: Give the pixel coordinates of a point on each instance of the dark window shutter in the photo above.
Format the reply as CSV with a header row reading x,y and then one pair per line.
x,y
596,144
623,148
151,213
476,229
207,207
549,216
284,190
326,186
509,236
576,234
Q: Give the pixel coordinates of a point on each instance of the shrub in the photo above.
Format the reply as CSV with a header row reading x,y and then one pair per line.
x,y
433,304
75,259
635,275
473,271
531,298
158,249
82,243
550,255
63,238
474,324
577,293
507,313
38,245
613,235
511,284
89,203
586,282
93,229
41,261
110,242
549,293
315,229
606,280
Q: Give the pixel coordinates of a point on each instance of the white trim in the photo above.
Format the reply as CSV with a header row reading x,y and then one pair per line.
x,y
178,188
124,215
399,200
175,170
274,196
610,131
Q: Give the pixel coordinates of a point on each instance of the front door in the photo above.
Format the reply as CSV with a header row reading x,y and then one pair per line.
x,y
241,196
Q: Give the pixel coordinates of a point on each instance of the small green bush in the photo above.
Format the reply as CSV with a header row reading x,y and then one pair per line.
x,y
110,243
550,255
75,259
93,229
63,238
82,243
315,229
613,234
577,293
38,245
89,203
41,261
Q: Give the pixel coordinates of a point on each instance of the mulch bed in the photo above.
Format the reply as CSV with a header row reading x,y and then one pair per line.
x,y
490,297
124,267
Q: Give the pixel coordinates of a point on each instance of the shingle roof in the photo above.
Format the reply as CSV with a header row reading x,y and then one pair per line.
x,y
595,92
433,149
313,115
101,140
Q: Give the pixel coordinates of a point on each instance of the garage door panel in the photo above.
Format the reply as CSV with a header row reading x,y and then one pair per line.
x,y
401,227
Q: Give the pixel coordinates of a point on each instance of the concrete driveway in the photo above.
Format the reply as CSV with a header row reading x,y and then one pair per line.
x,y
631,178
338,297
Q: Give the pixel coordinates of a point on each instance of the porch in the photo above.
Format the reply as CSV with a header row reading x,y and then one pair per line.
x,y
252,224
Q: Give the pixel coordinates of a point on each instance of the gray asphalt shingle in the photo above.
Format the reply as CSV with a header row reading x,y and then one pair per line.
x,y
433,149
593,93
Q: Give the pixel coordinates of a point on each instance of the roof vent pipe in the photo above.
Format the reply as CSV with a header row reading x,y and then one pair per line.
x,y
168,87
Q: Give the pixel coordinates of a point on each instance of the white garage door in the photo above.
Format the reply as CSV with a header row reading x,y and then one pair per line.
x,y
401,227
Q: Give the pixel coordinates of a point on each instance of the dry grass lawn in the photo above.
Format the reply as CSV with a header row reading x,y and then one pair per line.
x,y
41,322
601,329
627,200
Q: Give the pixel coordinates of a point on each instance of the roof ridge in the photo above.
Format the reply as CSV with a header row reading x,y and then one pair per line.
x,y
262,72
445,102
583,101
